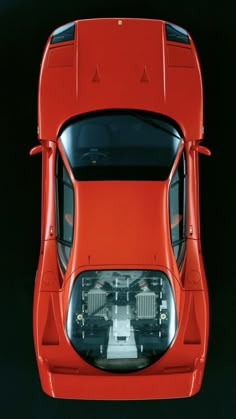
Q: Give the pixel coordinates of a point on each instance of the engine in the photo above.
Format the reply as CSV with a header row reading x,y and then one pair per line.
x,y
121,320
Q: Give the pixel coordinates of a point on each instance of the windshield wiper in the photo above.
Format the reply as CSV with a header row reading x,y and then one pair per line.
x,y
153,123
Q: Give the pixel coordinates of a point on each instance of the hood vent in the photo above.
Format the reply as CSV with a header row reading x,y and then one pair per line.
x,y
144,77
96,77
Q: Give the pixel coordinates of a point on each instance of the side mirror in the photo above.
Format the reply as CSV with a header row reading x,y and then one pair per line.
x,y
201,149
36,150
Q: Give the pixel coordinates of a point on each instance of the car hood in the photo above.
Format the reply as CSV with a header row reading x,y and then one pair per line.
x,y
111,65
121,222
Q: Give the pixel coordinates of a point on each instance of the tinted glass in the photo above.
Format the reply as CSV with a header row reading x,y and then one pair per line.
x,y
177,208
64,211
63,34
120,145
176,34
121,320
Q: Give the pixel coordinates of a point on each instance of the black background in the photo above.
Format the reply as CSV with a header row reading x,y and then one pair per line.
x,y
24,29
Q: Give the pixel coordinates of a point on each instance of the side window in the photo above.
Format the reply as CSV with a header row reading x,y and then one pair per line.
x,y
177,210
64,212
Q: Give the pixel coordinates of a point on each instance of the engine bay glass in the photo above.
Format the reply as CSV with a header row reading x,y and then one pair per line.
x,y
121,320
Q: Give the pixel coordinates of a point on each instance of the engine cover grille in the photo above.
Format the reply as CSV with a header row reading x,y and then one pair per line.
x,y
96,299
146,305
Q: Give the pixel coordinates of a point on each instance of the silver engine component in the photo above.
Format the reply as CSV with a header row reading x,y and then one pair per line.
x,y
146,305
121,334
97,298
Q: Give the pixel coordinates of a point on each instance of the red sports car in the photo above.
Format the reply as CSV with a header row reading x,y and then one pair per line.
x,y
121,301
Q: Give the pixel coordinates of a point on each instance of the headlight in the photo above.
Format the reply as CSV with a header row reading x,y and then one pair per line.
x,y
63,34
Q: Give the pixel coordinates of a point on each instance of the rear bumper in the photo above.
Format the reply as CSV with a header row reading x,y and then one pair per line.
x,y
121,387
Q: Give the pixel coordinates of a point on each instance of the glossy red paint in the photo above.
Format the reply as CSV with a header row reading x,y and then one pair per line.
x,y
109,65
113,65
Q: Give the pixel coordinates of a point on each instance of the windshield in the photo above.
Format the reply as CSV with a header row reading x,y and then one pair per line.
x,y
120,145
